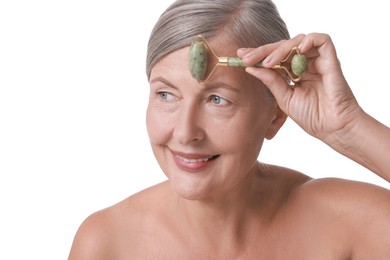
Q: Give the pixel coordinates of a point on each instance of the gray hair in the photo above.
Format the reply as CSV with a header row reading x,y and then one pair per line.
x,y
248,23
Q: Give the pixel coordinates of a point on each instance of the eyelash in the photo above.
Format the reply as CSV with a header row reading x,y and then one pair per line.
x,y
214,97
164,95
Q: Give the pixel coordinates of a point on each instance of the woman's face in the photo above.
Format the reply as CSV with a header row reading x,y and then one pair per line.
x,y
207,138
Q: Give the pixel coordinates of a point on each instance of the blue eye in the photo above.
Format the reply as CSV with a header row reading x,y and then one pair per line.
x,y
218,100
165,95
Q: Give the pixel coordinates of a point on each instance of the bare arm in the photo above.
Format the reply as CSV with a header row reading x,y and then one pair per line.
x,y
367,142
322,103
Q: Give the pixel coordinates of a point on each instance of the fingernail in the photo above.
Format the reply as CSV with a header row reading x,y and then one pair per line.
x,y
242,52
248,55
249,70
268,59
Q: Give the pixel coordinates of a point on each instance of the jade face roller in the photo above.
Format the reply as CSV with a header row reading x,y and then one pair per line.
x,y
294,64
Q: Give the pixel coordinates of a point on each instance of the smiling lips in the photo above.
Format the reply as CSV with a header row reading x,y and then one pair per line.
x,y
193,162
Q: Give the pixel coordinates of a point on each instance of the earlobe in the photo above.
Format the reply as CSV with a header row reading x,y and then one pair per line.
x,y
279,118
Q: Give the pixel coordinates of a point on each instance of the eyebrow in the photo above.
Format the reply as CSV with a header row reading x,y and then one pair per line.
x,y
163,80
207,86
218,84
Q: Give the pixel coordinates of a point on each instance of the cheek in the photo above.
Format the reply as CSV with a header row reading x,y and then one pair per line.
x,y
244,136
157,126
238,135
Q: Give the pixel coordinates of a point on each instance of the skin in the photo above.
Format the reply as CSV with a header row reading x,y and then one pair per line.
x,y
232,206
324,105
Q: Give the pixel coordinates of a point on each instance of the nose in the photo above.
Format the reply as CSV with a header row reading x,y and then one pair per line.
x,y
189,127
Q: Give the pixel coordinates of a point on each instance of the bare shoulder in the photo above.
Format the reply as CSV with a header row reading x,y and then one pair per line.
x,y
103,233
345,195
359,211
92,238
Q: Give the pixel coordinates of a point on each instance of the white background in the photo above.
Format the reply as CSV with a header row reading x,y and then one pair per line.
x,y
73,94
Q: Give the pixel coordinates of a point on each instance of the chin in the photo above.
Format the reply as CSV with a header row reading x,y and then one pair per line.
x,y
190,189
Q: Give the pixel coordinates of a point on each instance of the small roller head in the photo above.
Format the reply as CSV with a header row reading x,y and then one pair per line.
x,y
298,64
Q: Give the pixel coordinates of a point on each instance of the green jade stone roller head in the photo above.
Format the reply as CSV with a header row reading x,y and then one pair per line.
x,y
198,62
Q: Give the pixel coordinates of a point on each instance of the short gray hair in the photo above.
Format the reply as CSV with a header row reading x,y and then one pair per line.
x,y
248,23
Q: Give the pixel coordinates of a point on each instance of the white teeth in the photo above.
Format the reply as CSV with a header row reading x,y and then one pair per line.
x,y
194,160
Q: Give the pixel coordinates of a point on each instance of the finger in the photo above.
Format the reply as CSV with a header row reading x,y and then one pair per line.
x,y
276,84
322,47
272,54
282,51
243,51
317,40
258,54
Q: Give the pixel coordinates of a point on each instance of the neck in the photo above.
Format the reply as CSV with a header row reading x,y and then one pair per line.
x,y
230,214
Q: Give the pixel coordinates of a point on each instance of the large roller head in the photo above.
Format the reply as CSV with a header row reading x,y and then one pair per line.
x,y
197,59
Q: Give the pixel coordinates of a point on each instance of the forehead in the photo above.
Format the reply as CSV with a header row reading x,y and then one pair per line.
x,y
176,65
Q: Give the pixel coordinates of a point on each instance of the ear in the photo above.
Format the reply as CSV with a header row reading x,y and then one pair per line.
x,y
279,118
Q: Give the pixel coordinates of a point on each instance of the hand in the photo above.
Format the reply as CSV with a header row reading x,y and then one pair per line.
x,y
322,102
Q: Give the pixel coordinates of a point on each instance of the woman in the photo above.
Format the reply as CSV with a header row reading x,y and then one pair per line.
x,y
219,201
